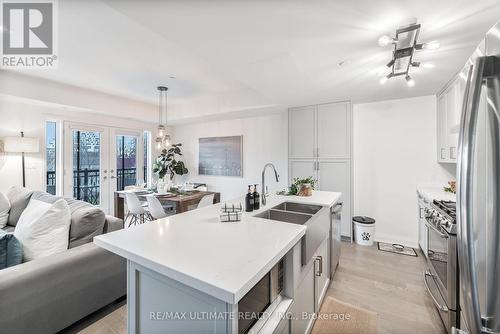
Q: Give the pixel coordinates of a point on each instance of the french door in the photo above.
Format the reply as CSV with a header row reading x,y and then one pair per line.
x,y
100,160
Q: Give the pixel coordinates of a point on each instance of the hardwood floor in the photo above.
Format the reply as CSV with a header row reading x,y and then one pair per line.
x,y
389,284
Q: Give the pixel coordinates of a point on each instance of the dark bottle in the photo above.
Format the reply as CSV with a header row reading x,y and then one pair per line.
x,y
256,198
249,200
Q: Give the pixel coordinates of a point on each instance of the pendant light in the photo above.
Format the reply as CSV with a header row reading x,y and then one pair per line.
x,y
162,138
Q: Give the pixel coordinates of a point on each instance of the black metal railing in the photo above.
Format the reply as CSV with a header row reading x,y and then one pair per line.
x,y
126,177
86,183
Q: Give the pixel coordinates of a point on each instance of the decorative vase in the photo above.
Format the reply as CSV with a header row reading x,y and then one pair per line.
x,y
160,186
305,190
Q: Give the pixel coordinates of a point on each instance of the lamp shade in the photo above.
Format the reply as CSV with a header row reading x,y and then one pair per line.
x,y
21,144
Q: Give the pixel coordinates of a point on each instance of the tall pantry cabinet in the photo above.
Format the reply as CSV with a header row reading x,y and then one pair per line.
x,y
320,140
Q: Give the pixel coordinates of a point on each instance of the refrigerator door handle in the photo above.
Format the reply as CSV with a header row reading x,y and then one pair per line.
x,y
484,67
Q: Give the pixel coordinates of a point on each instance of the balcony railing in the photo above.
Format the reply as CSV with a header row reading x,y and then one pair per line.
x,y
86,183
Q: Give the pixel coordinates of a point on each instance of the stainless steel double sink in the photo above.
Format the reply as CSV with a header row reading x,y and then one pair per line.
x,y
313,217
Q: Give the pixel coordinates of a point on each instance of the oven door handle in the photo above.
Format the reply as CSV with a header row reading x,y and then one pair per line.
x,y
441,234
439,306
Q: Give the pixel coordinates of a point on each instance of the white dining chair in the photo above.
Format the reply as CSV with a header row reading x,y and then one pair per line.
x,y
155,208
136,212
206,201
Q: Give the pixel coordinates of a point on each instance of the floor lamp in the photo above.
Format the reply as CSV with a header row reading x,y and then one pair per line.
x,y
21,145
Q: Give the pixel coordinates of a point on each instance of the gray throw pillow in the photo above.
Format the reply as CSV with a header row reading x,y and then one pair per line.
x,y
11,250
19,198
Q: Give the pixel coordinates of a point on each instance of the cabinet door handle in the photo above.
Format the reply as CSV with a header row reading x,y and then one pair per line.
x,y
443,153
317,151
319,259
453,152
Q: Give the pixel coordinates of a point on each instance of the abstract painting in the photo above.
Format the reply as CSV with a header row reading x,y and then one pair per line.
x,y
221,156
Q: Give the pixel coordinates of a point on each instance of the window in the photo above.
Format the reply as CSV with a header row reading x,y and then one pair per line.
x,y
51,156
147,138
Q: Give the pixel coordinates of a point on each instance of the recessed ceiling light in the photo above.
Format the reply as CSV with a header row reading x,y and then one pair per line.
x,y
427,65
409,81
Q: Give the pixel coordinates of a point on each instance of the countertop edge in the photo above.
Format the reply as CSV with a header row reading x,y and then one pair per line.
x,y
231,297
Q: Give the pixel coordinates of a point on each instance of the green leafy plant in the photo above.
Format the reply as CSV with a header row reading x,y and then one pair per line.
x,y
166,162
297,183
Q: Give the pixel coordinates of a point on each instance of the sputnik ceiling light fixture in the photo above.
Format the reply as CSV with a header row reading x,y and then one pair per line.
x,y
162,138
405,44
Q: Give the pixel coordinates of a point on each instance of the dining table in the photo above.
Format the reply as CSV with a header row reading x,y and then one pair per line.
x,y
182,201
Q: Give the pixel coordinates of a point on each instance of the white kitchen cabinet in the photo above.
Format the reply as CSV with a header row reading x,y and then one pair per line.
x,y
302,169
302,132
449,111
336,176
422,227
321,274
303,303
320,140
334,131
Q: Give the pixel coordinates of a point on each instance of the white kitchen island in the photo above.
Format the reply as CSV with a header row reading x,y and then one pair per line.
x,y
191,265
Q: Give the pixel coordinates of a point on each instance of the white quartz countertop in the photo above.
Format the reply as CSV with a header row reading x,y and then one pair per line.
x,y
224,260
432,193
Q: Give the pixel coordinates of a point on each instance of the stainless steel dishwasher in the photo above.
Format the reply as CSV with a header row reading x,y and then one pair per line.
x,y
336,217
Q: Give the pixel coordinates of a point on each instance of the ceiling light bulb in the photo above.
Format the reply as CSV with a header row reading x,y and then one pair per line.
x,y
432,45
409,81
427,65
385,40
383,80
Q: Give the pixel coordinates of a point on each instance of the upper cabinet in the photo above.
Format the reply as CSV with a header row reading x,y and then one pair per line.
x,y
333,137
302,132
320,131
449,111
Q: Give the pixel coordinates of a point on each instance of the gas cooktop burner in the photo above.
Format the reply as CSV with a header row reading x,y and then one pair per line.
x,y
447,207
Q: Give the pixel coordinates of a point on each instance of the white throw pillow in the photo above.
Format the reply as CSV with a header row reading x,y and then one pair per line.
x,y
43,228
4,210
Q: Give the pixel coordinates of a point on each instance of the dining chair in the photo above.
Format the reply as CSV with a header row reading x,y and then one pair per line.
x,y
136,212
156,208
206,201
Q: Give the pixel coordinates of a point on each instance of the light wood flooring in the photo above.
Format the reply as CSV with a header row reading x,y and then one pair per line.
x,y
389,284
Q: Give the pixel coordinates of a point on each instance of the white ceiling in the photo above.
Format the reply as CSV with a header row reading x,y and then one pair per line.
x,y
237,56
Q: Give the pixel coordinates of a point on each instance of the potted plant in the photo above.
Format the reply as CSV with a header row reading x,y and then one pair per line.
x,y
167,163
300,187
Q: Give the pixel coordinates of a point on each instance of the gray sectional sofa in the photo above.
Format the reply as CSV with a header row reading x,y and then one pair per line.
x,y
48,294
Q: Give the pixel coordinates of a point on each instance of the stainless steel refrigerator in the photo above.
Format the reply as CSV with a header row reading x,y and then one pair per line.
x,y
478,206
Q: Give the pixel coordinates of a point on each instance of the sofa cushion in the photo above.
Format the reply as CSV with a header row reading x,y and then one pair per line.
x,y
11,250
19,198
87,220
4,210
43,228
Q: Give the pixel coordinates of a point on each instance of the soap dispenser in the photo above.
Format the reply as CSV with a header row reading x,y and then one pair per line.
x,y
249,200
256,198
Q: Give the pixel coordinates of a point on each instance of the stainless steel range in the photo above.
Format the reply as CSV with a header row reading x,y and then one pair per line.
x,y
441,276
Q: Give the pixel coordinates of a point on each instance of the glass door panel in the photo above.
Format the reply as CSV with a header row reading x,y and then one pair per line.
x,y
87,166
126,161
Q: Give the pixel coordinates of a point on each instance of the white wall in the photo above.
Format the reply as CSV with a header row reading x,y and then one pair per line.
x,y
264,140
394,152
18,116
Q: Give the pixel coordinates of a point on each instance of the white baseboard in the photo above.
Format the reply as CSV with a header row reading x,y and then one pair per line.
x,y
392,239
